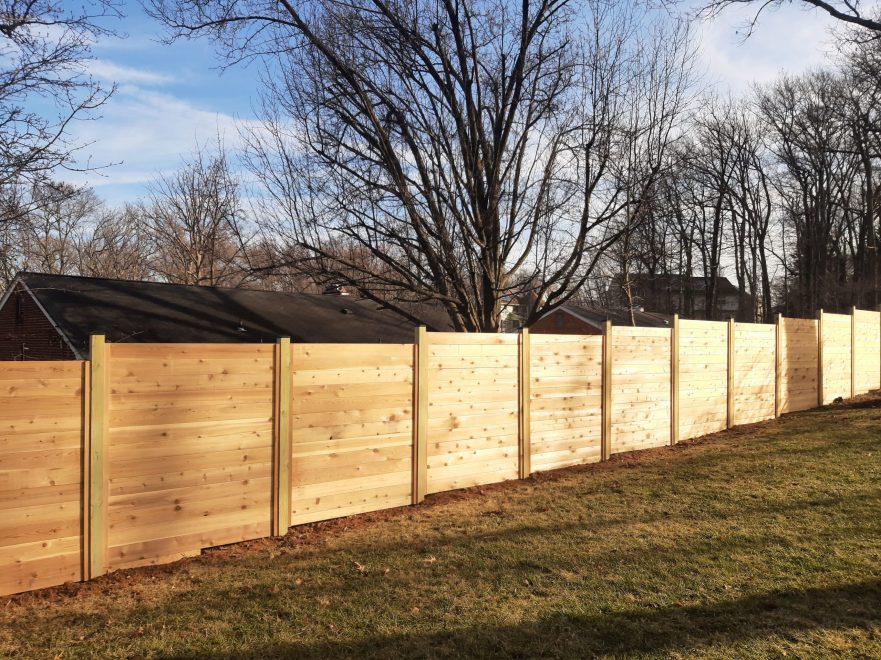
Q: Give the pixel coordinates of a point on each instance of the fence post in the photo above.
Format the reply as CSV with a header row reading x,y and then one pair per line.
x,y
853,351
86,468
525,444
730,373
97,482
820,371
420,409
606,435
778,363
674,381
281,498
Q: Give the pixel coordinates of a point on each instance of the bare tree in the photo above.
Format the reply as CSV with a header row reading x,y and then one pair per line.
x,y
432,151
193,221
51,233
849,12
817,184
43,89
115,246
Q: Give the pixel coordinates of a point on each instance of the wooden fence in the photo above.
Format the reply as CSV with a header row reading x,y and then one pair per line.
x,y
152,452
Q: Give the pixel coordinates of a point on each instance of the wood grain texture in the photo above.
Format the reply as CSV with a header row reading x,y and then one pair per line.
x,y
473,410
190,457
191,438
867,354
566,410
608,360
524,451
281,490
754,363
798,364
836,357
41,474
640,388
352,445
703,378
96,488
674,380
419,485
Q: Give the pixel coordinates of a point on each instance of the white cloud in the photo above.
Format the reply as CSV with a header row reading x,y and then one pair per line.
x,y
788,39
108,71
144,133
147,127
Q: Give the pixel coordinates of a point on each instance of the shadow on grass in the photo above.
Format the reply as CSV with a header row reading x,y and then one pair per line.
x,y
659,631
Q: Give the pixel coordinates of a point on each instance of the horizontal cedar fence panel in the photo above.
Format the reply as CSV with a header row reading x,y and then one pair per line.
x,y
473,409
641,388
703,378
799,376
753,380
566,380
837,364
42,431
351,430
208,444
867,345
189,448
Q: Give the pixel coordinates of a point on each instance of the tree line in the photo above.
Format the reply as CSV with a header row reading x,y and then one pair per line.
x,y
465,155
191,228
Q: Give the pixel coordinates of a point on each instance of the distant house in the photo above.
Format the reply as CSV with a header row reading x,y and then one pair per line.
x,y
582,320
678,294
50,317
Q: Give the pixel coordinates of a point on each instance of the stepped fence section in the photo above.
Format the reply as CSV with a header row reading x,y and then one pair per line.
x,y
152,452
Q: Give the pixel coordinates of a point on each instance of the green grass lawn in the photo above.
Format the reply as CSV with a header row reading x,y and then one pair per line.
x,y
760,542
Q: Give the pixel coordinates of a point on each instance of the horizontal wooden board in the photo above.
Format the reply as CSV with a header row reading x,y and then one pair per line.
x,y
641,382
190,443
867,343
472,436
799,362
754,377
703,378
352,432
484,339
836,357
565,400
41,479
189,447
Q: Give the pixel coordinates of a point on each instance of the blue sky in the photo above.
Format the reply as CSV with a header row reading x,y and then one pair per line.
x,y
169,99
172,97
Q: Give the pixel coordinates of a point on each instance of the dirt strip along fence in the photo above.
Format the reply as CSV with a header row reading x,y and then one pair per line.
x,y
149,453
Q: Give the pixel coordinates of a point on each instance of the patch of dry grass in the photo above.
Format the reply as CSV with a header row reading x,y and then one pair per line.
x,y
760,542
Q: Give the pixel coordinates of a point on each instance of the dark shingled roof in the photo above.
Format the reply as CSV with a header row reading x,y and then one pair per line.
x,y
144,312
676,283
597,317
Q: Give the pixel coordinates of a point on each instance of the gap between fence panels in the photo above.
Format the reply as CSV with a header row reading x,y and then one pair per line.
x,y
152,452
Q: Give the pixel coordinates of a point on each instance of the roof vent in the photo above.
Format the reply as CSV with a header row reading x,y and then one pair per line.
x,y
345,310
241,327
